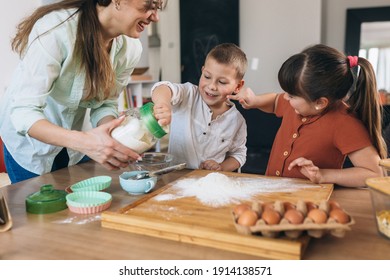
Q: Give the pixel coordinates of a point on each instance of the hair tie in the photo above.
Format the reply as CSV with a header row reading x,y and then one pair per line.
x,y
353,61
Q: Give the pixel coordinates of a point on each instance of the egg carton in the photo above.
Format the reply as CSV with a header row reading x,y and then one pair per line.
x,y
284,227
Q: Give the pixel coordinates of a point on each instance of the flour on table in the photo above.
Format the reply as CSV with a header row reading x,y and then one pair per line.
x,y
217,189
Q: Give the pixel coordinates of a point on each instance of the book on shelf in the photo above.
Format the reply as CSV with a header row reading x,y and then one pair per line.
x,y
130,100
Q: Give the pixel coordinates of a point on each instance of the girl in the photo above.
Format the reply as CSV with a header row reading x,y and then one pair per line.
x,y
328,113
75,54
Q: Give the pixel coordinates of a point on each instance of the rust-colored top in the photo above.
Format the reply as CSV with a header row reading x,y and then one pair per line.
x,y
325,139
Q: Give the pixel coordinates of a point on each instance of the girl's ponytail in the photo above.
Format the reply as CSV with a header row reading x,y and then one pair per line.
x,y
364,101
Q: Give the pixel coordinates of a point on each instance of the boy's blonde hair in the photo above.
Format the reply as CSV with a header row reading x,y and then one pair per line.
x,y
230,54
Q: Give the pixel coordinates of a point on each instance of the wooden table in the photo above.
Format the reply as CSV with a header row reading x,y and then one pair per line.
x,y
67,236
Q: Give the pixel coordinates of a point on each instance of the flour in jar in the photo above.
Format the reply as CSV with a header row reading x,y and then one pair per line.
x,y
217,189
133,133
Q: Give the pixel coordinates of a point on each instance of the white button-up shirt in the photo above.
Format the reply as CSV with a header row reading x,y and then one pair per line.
x,y
195,137
48,84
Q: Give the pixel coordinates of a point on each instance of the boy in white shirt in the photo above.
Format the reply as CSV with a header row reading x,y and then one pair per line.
x,y
207,131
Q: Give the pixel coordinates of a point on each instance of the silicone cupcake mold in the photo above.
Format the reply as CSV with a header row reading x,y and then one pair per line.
x,y
92,184
88,202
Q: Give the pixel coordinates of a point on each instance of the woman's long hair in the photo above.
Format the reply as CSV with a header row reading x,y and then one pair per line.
x,y
89,45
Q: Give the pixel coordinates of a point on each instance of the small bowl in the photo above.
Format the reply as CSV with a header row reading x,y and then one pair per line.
x,y
152,162
380,197
136,187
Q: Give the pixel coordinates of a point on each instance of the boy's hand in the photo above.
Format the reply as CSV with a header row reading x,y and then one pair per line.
x,y
307,168
210,165
163,113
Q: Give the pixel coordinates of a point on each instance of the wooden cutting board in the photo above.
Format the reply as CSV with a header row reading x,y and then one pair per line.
x,y
188,220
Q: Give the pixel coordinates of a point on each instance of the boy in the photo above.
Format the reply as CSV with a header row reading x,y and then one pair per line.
x,y
207,131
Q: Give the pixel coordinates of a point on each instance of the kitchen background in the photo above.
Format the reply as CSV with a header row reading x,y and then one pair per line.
x,y
269,32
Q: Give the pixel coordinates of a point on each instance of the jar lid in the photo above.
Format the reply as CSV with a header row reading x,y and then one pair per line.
x,y
47,200
150,121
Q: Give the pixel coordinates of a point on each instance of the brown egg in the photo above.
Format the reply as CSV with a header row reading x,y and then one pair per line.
x,y
247,218
240,208
334,205
339,215
288,205
270,216
318,216
294,216
310,205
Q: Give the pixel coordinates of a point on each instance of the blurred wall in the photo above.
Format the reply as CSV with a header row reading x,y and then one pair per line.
x,y
8,60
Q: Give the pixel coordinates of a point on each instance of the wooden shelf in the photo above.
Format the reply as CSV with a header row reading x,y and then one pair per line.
x,y
139,89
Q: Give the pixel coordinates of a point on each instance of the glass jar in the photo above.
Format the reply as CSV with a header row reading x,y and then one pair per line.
x,y
140,130
380,196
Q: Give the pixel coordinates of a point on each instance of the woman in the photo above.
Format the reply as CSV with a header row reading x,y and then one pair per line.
x,y
75,54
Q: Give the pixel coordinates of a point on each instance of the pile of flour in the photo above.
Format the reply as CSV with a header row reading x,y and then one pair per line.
x,y
217,189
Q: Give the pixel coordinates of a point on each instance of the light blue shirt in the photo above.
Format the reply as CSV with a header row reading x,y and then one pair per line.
x,y
48,84
195,137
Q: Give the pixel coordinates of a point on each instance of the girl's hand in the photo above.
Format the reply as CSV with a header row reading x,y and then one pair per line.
x,y
163,113
210,165
99,145
307,168
246,97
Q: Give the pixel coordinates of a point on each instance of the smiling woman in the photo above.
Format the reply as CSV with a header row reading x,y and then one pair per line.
x,y
76,54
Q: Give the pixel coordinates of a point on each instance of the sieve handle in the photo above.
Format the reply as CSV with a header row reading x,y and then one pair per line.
x,y
167,169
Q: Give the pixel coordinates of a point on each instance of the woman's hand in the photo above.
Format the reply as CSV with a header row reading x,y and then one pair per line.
x,y
163,113
99,145
210,165
307,168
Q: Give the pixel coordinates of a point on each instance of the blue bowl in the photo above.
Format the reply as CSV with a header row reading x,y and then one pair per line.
x,y
136,187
